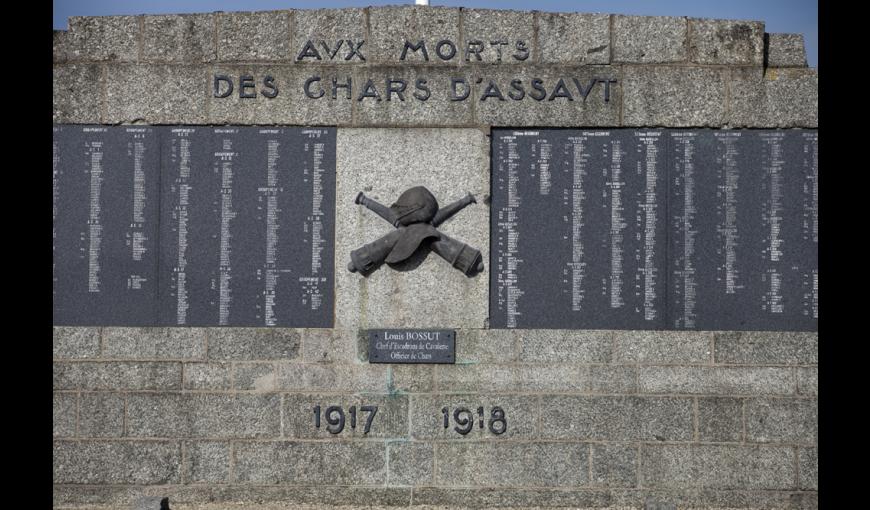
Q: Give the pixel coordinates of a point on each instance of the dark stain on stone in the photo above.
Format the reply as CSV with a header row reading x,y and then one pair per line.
x,y
596,49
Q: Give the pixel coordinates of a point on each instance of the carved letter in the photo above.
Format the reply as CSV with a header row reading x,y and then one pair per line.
x,y
420,84
326,48
607,83
585,93
308,51
354,50
398,91
498,45
269,83
453,83
369,91
536,84
307,90
517,85
522,51
414,48
440,44
246,82
492,91
478,48
218,78
556,93
336,86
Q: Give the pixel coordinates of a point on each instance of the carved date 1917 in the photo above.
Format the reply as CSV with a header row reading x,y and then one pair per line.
x,y
335,418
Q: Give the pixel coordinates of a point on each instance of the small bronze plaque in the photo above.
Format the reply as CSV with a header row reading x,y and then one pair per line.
x,y
412,346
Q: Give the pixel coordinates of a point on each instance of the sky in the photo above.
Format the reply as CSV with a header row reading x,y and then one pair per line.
x,y
779,16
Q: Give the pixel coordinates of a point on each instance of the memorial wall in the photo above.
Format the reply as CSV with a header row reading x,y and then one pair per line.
x,y
422,256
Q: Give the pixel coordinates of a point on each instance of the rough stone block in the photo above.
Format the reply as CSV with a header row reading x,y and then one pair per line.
x,y
544,377
565,346
495,464
334,463
389,421
411,378
206,462
203,415
261,377
574,38
321,377
427,418
117,462
390,27
179,38
253,344
808,468
617,418
497,34
64,414
77,93
778,98
614,465
717,380
649,39
782,420
556,101
101,415
808,381
60,42
701,498
662,347
767,348
720,419
409,463
157,94
69,343
482,497
154,343
261,35
334,346
450,163
117,376
717,467
437,109
207,376
786,50
673,96
734,42
113,38
486,346
334,33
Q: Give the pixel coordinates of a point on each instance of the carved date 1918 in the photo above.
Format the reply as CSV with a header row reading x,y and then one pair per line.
x,y
335,418
464,419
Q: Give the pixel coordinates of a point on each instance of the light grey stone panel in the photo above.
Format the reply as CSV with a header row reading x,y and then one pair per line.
x,y
718,380
60,42
808,381
206,462
564,346
259,377
113,38
334,33
333,463
391,26
574,38
808,468
495,464
450,163
767,348
411,378
117,462
786,50
334,345
498,33
782,420
74,342
502,497
614,465
538,377
673,96
410,463
107,375
179,38
732,42
663,346
77,93
486,345
649,39
64,414
253,343
333,378
101,415
389,421
720,419
203,415
777,98
427,418
701,498
155,343
207,376
617,418
263,35
157,94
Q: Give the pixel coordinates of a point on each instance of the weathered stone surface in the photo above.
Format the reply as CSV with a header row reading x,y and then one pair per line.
x,y
717,467
179,38
64,414
717,380
101,415
673,96
782,420
104,38
130,462
411,378
649,39
560,103
77,94
808,381
253,344
60,42
496,33
562,346
261,377
207,376
206,462
389,421
390,27
808,468
786,50
504,497
337,463
157,94
321,377
720,419
427,418
334,345
117,376
334,34
717,41
544,377
412,111
154,343
70,343
614,465
782,98
410,463
486,346
767,348
496,464
263,35
698,498
617,418
574,38
203,415
662,347
450,163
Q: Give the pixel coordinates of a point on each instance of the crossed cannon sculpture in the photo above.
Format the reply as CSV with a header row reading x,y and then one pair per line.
x,y
416,217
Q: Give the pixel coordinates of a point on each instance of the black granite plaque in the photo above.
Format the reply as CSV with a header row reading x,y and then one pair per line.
x,y
242,218
655,229
105,203
412,346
